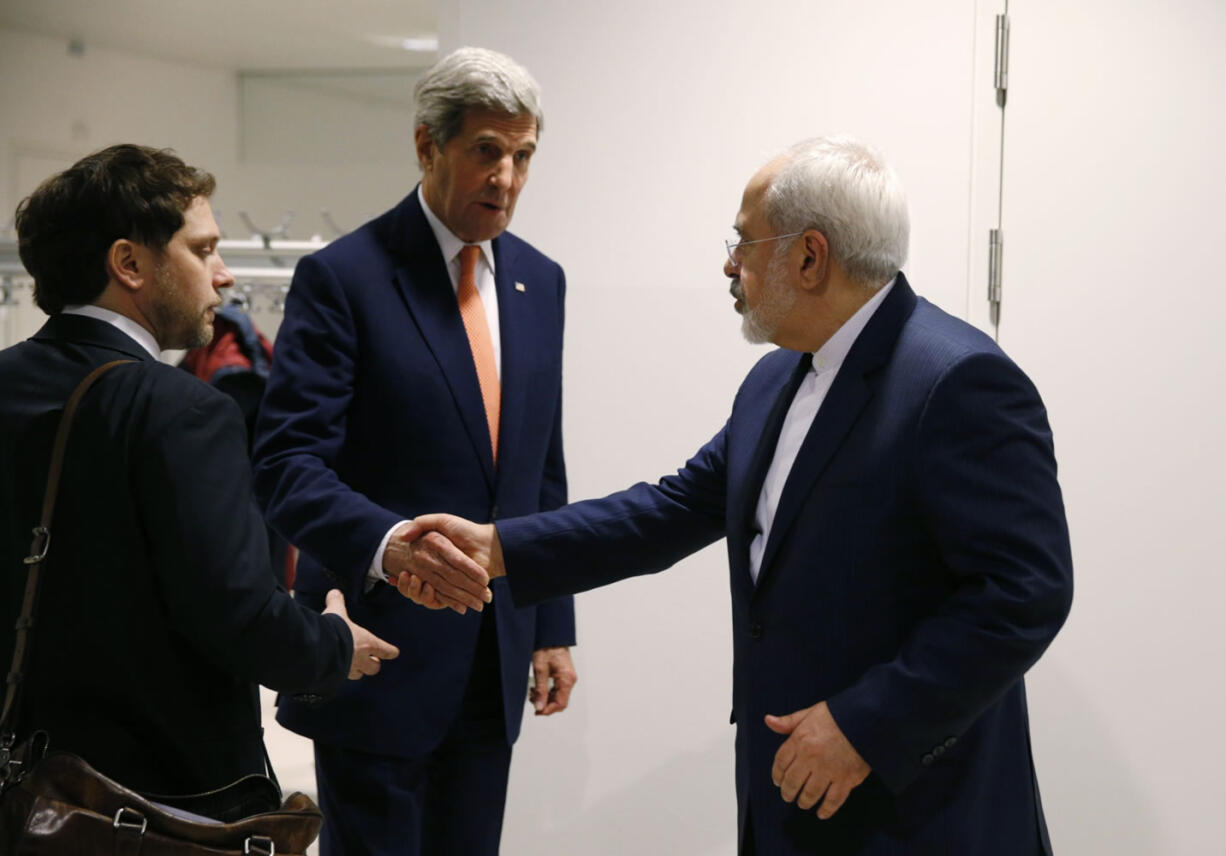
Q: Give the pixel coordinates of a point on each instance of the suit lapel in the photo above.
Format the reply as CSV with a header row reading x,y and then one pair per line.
x,y
848,395
746,471
767,440
425,285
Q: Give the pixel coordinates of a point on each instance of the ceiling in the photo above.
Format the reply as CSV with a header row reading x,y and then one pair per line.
x,y
239,34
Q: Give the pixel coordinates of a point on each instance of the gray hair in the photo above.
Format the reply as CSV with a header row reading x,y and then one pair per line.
x,y
844,189
474,78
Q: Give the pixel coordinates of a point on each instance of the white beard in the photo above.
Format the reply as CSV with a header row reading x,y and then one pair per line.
x,y
760,323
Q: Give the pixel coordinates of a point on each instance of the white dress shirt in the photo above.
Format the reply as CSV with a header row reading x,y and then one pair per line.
x,y
484,277
807,401
122,323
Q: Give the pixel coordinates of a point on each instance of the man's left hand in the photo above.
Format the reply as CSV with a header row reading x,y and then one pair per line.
x,y
816,762
551,664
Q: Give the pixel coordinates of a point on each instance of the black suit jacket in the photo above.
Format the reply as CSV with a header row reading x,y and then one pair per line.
x,y
158,611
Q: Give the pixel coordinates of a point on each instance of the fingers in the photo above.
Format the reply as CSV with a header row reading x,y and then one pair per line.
x,y
796,777
834,799
805,782
410,530
455,577
811,792
783,760
816,765
784,724
440,522
554,677
421,593
461,571
456,580
538,693
369,652
559,698
564,680
382,650
430,598
363,667
334,604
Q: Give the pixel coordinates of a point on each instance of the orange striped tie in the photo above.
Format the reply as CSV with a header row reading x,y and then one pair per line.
x,y
472,311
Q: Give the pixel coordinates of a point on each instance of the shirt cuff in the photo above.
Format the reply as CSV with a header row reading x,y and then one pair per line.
x,y
375,574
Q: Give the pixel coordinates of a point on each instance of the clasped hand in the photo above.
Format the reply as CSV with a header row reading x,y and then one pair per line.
x,y
440,560
817,763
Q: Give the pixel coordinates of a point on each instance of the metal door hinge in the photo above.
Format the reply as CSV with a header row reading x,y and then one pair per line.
x,y
1000,74
996,245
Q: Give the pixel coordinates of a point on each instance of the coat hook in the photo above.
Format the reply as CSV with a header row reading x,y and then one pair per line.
x,y
326,216
267,235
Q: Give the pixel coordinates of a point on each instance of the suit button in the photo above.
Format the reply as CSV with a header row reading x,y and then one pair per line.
x,y
494,512
927,760
938,751
755,631
950,741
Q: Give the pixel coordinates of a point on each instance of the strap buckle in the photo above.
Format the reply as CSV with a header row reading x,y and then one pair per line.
x,y
268,848
38,549
139,824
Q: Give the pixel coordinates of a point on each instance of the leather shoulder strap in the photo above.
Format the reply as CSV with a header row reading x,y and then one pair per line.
x,y
38,550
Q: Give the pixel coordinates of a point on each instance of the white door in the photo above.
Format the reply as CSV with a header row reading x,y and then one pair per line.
x,y
1113,301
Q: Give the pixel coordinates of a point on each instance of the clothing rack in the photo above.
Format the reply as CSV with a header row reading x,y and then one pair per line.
x,y
262,265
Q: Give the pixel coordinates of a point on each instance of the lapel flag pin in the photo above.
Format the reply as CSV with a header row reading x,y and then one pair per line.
x,y
519,286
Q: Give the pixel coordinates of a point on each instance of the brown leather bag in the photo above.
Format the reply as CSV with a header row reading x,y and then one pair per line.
x,y
55,803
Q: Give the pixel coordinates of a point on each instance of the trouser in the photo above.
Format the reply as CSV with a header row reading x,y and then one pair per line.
x,y
447,802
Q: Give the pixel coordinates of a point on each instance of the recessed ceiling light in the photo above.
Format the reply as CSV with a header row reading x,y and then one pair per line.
x,y
414,44
421,44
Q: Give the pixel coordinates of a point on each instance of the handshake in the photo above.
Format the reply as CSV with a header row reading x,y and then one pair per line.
x,y
440,560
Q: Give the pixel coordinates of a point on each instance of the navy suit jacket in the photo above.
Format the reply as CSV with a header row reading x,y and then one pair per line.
x,y
373,414
158,611
917,566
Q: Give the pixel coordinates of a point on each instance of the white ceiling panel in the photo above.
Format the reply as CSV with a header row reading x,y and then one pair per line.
x,y
239,34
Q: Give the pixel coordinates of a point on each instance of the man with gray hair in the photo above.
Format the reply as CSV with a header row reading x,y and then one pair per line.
x,y
419,366
897,544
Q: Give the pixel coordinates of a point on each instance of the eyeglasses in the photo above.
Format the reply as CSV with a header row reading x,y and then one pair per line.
x,y
736,245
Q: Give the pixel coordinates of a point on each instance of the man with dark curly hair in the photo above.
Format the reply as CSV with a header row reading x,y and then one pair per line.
x,y
158,612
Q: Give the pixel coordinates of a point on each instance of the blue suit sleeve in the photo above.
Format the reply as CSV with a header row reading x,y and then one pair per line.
x,y
301,430
641,530
987,492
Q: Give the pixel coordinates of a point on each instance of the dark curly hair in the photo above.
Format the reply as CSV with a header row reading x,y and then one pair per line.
x,y
66,227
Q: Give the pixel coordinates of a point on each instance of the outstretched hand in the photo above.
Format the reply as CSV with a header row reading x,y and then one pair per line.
x,y
368,649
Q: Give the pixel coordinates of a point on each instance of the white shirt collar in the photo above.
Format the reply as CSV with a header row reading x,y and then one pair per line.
x,y
120,322
447,241
830,356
